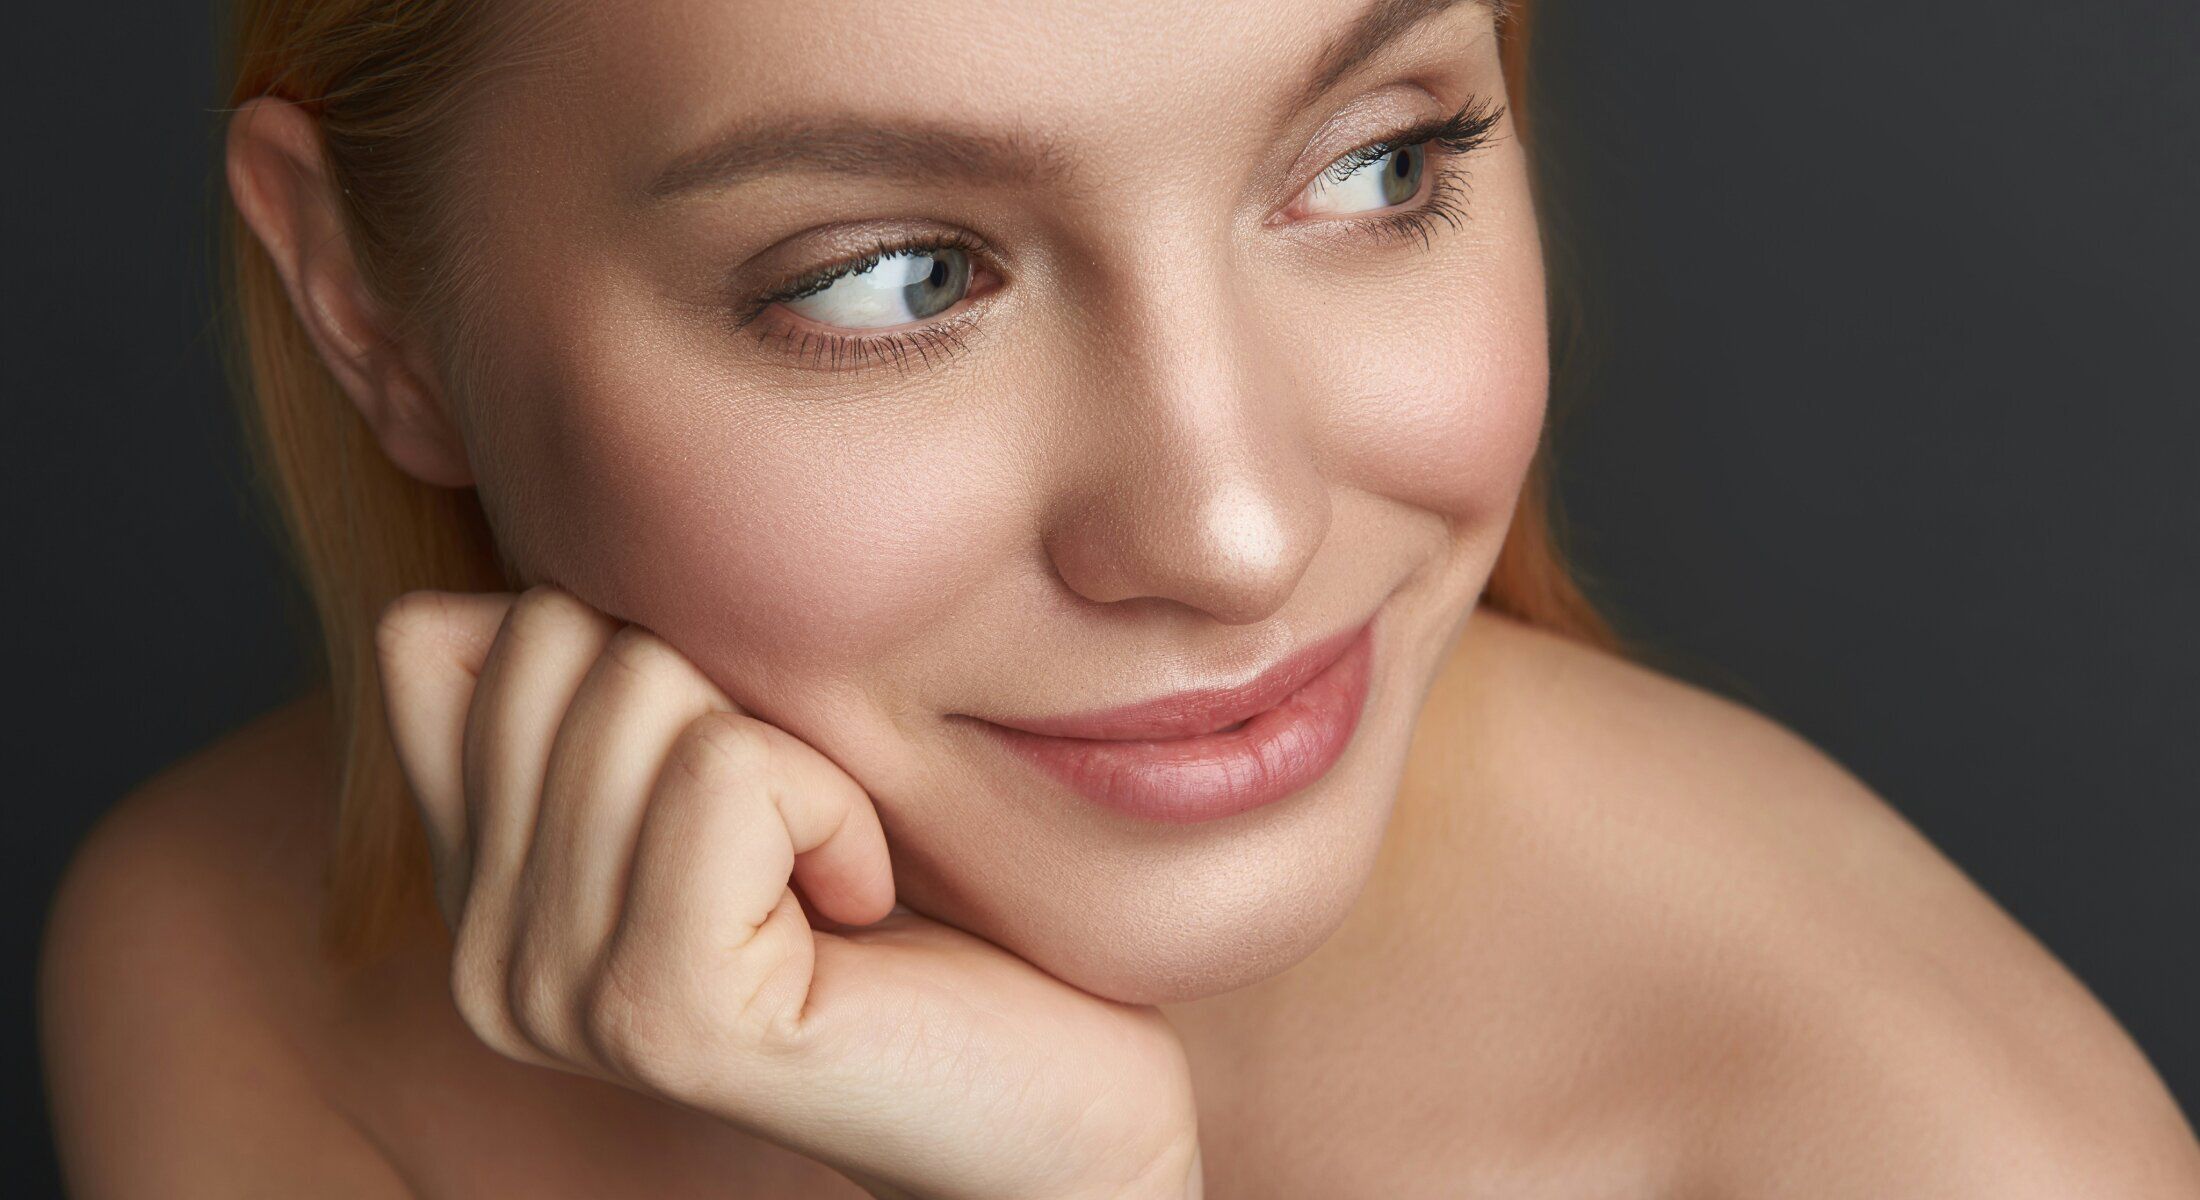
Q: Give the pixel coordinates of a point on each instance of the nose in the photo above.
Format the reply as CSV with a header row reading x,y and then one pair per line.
x,y
1193,480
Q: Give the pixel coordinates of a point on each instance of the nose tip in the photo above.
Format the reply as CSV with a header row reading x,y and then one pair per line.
x,y
1230,549
1190,474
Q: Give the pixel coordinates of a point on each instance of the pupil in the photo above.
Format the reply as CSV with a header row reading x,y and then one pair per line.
x,y
1403,178
941,286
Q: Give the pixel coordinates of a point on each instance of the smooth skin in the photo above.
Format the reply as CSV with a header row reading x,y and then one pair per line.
x,y
1555,925
617,840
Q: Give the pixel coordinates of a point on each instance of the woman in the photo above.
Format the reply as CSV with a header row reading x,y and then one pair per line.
x,y
953,600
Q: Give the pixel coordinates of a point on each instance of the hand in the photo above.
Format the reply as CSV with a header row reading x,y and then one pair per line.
x,y
616,850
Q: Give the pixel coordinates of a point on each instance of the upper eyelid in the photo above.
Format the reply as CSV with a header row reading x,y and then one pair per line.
x,y
816,279
1360,156
1346,164
1367,152
1478,111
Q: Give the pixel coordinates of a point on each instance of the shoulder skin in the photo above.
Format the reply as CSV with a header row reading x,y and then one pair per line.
x,y
1792,979
164,1017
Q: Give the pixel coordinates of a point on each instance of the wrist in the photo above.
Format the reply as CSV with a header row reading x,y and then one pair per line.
x,y
1175,1176
1178,1175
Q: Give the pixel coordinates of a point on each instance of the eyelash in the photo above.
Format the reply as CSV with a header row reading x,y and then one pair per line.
x,y
1470,129
841,351
1464,132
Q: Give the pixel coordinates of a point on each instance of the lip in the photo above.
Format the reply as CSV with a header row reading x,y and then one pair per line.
x,y
1177,760
1201,710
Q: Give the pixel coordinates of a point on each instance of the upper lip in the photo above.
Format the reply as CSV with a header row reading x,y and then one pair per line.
x,y
1196,711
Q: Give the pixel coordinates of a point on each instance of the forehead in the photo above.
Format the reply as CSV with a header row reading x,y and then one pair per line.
x,y
646,78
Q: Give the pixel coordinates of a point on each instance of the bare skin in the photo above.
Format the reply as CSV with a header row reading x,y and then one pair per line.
x,y
907,369
1669,950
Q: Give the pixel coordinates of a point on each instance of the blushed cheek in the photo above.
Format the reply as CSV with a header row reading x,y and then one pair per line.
x,y
776,553
1449,425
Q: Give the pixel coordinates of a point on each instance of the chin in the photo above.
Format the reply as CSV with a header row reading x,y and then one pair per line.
x,y
1166,918
1197,958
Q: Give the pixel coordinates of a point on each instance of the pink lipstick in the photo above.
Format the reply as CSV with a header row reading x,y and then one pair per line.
x,y
1205,754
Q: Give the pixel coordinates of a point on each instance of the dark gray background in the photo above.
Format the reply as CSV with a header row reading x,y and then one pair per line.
x,y
1889,428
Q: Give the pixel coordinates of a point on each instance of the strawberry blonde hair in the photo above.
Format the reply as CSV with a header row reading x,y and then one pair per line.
x,y
385,80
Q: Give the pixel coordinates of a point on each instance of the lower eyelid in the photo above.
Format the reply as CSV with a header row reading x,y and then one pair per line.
x,y
823,346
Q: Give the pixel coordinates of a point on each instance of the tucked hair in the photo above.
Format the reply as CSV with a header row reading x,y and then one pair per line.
x,y
387,80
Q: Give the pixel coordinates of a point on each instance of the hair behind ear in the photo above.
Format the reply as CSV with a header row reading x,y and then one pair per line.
x,y
361,531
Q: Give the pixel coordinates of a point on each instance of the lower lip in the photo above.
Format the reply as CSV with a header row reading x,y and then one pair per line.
x,y
1183,780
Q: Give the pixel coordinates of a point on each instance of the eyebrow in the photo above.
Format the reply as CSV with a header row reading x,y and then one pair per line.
x,y
850,145
939,153
1383,22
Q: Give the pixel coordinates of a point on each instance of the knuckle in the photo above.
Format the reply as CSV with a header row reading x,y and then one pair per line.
x,y
479,997
721,749
537,1004
641,1040
770,1025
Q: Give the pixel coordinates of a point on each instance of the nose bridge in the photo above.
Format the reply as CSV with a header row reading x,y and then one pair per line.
x,y
1196,482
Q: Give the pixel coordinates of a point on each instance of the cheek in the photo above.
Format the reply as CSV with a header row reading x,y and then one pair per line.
x,y
1442,411
1440,374
767,544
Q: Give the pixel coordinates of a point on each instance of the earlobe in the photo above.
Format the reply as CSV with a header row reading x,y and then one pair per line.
x,y
417,435
281,186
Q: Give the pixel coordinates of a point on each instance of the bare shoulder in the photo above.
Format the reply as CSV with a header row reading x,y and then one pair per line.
x,y
170,991
1835,1006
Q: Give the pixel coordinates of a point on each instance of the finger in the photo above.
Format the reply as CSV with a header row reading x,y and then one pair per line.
x,y
708,905
615,736
429,650
848,876
842,864
544,649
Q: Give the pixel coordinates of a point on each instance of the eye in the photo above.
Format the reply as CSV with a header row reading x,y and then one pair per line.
x,y
1368,180
893,289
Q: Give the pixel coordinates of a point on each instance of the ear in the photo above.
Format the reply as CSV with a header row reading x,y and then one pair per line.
x,y
280,182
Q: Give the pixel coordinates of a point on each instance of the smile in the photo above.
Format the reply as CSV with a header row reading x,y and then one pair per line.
x,y
1206,754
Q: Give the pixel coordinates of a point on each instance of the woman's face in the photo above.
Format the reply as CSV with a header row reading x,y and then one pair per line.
x,y
1155,383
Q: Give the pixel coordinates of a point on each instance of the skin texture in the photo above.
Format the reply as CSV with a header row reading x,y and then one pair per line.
x,y
1558,926
1139,458
614,841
